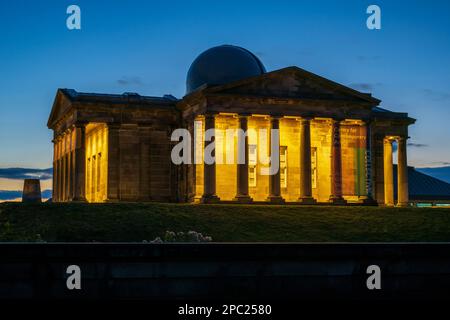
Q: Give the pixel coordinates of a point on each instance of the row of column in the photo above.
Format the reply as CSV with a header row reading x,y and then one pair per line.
x,y
305,191
402,172
62,169
69,165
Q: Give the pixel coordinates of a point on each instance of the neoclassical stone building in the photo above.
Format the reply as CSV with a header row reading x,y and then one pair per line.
x,y
336,144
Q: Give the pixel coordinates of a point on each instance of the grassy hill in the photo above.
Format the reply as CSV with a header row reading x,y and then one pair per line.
x,y
138,222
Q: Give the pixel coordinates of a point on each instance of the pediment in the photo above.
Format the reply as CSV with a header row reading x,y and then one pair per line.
x,y
293,82
60,106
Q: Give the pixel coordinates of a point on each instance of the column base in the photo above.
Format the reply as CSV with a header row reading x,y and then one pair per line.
x,y
338,200
275,199
112,200
307,200
367,201
403,204
209,199
243,199
79,199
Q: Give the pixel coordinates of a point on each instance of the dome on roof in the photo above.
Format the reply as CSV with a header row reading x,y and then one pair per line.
x,y
221,65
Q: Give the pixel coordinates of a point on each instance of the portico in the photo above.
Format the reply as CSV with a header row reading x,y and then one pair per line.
x,y
300,178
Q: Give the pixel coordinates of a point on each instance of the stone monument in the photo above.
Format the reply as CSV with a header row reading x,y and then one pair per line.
x,y
31,191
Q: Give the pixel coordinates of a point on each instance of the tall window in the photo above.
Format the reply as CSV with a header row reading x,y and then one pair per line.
x,y
314,167
252,159
283,166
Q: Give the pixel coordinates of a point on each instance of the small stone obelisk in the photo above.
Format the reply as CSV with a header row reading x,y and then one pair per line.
x,y
32,191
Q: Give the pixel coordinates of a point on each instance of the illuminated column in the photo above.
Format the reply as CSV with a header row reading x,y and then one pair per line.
x,y
242,168
274,179
402,171
60,171
209,170
336,163
80,162
368,198
305,162
69,167
55,171
388,173
66,166
72,164
113,162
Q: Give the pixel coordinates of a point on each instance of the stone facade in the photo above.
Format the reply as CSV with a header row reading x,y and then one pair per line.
x,y
335,144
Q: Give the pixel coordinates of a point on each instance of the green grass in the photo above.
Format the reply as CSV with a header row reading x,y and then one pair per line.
x,y
138,222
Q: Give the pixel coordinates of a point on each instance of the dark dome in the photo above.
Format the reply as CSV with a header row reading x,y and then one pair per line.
x,y
222,64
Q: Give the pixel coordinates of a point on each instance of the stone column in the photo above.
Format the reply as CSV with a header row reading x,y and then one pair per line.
x,y
63,168
388,173
60,171
113,180
242,168
55,171
305,162
274,179
80,163
368,198
402,173
70,165
209,170
336,163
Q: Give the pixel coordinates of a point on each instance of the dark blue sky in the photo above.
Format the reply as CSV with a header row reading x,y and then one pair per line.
x,y
147,47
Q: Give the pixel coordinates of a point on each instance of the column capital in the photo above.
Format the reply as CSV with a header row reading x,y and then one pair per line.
x,y
402,138
210,114
367,121
305,118
80,124
389,140
243,115
275,117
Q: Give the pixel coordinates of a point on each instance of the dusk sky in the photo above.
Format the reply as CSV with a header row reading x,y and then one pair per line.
x,y
148,46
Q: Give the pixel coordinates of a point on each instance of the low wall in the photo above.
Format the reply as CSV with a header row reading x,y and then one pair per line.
x,y
221,270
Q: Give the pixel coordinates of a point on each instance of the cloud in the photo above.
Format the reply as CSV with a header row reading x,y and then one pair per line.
x,y
12,194
126,81
436,95
26,173
442,163
417,145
